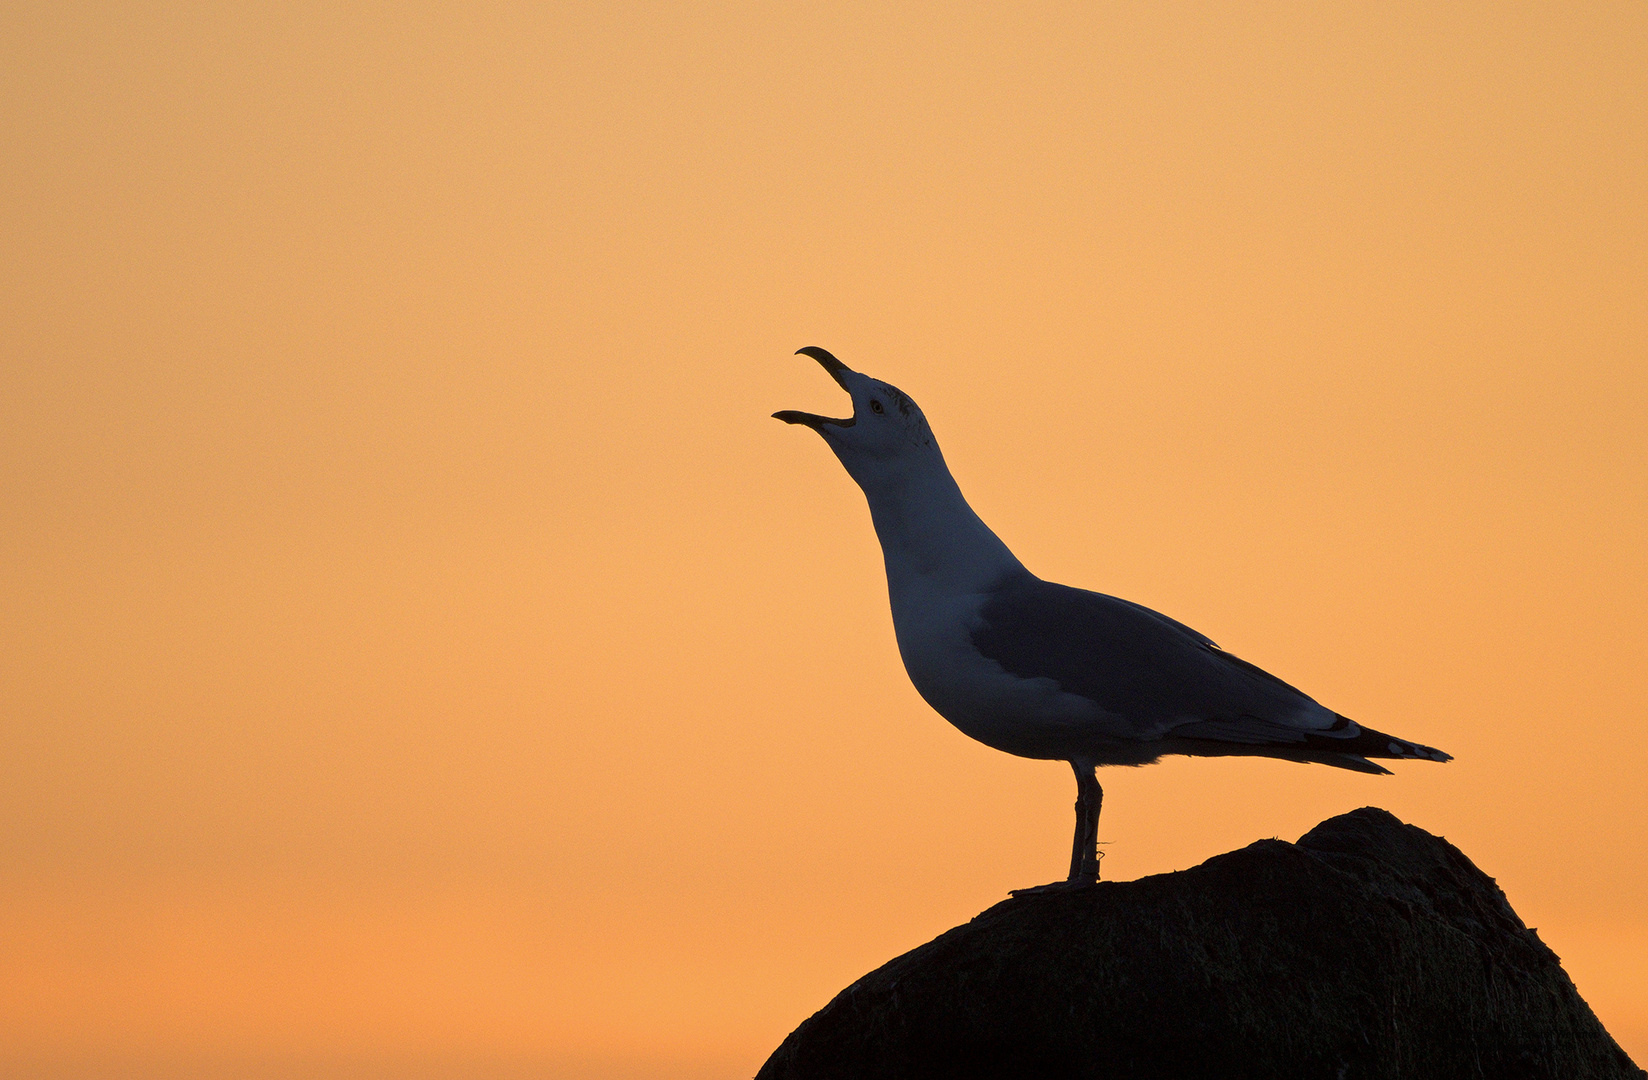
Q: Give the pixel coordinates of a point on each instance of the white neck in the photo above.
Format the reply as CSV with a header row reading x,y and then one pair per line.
x,y
930,537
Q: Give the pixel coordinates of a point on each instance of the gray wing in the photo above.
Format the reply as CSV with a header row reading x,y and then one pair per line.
x,y
1135,663
1165,680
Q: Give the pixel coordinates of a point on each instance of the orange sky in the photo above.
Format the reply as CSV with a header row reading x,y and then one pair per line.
x,y
422,655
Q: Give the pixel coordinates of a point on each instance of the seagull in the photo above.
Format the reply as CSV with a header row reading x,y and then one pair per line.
x,y
1047,671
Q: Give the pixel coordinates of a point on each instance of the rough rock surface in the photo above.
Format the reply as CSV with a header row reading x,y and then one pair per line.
x,y
1368,949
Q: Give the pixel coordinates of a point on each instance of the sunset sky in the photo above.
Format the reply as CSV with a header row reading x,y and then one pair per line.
x,y
422,655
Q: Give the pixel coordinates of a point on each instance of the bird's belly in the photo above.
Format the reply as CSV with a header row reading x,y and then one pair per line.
x,y
1028,717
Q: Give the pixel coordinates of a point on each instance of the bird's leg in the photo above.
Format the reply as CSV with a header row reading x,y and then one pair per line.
x,y
1084,858
1081,826
1090,843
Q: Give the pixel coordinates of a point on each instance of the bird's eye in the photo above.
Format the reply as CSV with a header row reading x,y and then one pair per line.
x,y
875,406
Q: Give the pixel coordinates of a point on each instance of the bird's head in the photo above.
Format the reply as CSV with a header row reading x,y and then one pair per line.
x,y
886,429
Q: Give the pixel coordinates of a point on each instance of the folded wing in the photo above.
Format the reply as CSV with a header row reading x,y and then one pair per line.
x,y
1164,681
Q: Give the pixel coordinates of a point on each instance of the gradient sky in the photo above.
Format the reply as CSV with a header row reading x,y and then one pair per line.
x,y
422,655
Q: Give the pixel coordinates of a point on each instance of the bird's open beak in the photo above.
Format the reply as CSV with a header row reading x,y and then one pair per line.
x,y
813,420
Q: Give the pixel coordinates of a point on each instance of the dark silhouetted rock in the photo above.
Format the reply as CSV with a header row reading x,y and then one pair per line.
x,y
1368,949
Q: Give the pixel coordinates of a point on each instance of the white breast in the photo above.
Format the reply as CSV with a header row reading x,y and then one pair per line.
x,y
1028,717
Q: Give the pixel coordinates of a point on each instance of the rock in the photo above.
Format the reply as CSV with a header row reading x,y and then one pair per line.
x,y
1368,949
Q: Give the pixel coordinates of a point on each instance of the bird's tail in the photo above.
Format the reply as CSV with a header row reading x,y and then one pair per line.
x,y
1353,752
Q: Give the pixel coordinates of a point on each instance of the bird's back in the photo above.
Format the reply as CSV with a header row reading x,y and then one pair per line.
x,y
1134,663
1160,683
